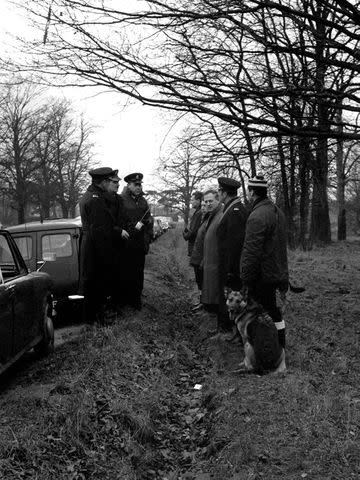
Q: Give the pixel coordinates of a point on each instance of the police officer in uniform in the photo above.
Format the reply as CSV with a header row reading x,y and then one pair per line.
x,y
101,232
119,247
139,225
230,237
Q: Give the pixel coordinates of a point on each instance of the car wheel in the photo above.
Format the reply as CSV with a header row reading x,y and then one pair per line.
x,y
46,345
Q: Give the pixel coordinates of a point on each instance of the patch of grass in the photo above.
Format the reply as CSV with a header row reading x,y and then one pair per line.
x,y
305,424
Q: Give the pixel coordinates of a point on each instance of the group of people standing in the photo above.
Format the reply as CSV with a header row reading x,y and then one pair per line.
x,y
229,244
116,234
238,246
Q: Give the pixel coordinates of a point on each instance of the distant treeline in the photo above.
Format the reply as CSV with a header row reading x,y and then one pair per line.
x,y
45,152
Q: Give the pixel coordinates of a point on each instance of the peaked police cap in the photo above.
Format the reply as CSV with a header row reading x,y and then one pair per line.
x,y
228,184
103,172
134,177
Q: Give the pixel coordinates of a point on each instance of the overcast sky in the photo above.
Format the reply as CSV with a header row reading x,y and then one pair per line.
x,y
127,138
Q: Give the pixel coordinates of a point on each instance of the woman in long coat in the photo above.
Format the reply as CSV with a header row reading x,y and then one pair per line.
x,y
210,290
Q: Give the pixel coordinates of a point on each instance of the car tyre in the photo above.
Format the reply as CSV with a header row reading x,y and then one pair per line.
x,y
46,345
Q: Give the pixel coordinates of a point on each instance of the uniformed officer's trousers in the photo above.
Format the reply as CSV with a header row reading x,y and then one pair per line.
x,y
265,294
133,284
94,301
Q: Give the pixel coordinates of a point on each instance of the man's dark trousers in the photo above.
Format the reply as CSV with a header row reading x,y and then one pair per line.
x,y
265,294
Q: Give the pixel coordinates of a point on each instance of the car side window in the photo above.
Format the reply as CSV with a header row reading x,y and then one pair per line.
x,y
8,264
25,246
58,243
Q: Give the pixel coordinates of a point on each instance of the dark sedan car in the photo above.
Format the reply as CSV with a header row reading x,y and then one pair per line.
x,y
25,306
53,246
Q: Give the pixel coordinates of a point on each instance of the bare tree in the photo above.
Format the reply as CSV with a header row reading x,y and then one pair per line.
x,y
353,188
223,59
22,121
183,170
44,151
44,177
71,155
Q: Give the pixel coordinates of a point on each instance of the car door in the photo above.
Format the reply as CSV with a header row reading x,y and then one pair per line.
x,y
60,250
26,243
6,322
18,284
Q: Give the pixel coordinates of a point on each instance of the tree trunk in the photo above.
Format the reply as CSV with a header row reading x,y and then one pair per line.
x,y
249,144
21,213
320,220
64,208
304,180
341,181
21,199
341,224
285,187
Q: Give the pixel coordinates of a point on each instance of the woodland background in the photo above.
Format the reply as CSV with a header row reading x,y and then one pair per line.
x,y
258,86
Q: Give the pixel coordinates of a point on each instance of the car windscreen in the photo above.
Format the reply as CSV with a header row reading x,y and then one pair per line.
x,y
58,243
25,246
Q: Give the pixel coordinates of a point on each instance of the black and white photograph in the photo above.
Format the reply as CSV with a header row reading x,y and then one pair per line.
x,y
179,239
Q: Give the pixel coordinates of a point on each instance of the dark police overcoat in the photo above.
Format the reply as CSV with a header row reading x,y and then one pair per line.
x,y
230,237
137,209
101,236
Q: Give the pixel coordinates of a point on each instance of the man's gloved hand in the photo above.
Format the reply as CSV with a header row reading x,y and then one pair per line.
x,y
125,235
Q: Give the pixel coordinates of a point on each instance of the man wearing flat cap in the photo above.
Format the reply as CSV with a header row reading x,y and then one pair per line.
x,y
101,233
139,225
230,237
264,264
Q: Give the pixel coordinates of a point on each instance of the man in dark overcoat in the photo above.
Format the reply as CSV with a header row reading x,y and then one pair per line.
x,y
230,237
190,233
264,263
139,225
101,231
119,280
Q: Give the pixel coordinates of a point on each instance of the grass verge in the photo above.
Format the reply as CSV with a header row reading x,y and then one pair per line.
x,y
119,402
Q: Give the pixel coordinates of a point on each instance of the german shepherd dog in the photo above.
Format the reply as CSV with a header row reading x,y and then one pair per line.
x,y
262,351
